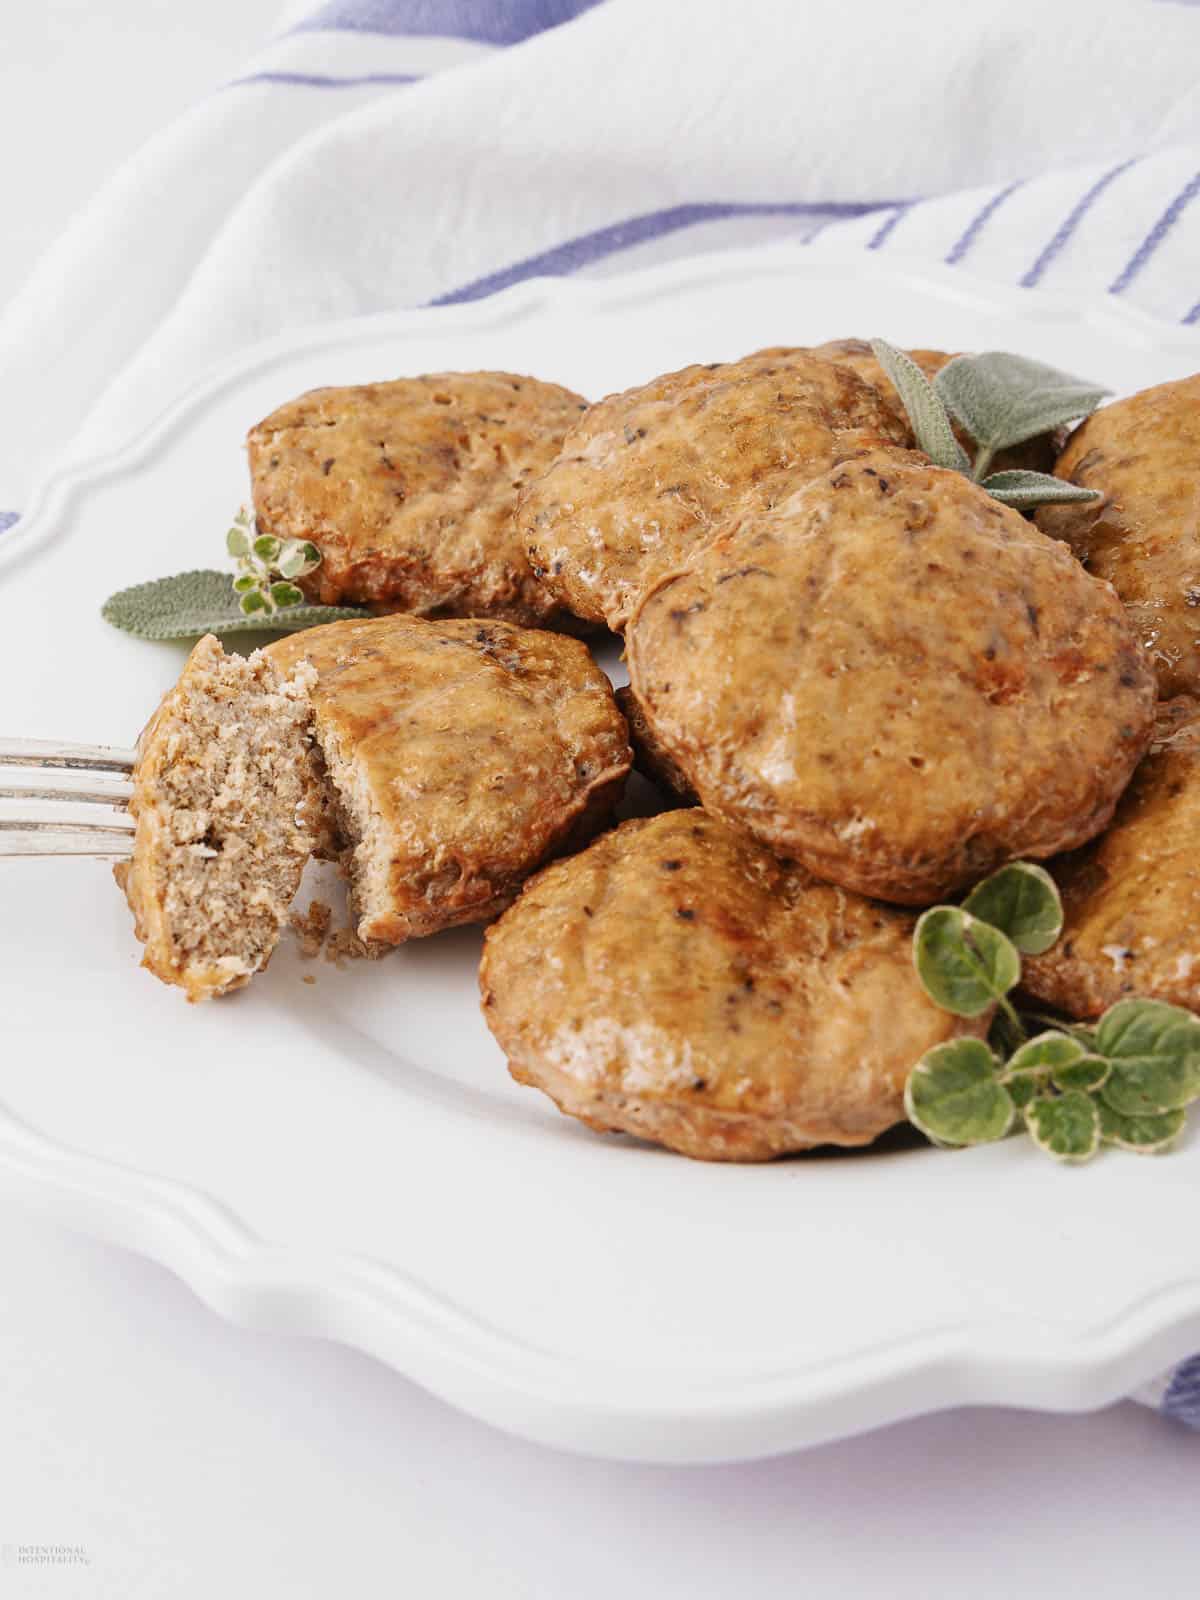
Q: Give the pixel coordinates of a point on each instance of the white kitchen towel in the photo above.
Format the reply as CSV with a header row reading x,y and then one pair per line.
x,y
382,153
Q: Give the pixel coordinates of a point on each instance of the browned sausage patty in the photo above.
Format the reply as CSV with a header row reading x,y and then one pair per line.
x,y
677,982
645,477
463,754
1142,454
896,681
1132,899
408,490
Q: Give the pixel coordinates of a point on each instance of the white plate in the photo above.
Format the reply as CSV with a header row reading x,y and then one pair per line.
x,y
351,1159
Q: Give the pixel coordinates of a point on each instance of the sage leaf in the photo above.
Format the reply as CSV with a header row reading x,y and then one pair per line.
x,y
964,965
1039,1057
192,603
1024,489
930,424
1154,1049
1145,1136
1066,1127
1022,900
1088,1074
1002,399
954,1097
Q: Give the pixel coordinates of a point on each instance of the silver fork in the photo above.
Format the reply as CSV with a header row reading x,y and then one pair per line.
x,y
50,781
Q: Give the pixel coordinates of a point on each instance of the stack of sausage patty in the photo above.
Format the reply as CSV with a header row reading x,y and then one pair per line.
x,y
861,683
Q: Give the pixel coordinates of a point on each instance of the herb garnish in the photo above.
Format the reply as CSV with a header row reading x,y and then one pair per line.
x,y
1000,400
263,596
1126,1080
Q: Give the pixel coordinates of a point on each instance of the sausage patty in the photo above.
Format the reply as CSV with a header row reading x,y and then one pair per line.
x,y
646,476
1132,899
462,756
677,982
895,680
1144,535
408,490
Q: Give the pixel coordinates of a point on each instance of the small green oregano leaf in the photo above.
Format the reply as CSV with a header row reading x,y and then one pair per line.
x,y
1022,489
1003,399
930,424
1042,1055
192,603
1088,1074
1066,1127
1154,1049
954,1097
1022,900
964,965
1145,1136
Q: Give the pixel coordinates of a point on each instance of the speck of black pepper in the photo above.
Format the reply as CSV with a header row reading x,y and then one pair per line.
x,y
1128,680
556,567
990,653
1031,611
685,913
699,1083
588,912
672,866
326,465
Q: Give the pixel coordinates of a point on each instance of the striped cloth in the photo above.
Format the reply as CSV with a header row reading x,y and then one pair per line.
x,y
381,153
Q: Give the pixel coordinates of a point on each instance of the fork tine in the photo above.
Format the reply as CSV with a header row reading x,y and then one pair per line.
x,y
85,757
115,793
26,838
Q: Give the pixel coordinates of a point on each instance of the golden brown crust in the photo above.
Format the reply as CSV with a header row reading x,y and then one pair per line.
x,y
1132,898
408,490
896,681
649,757
1144,535
477,751
701,994
647,476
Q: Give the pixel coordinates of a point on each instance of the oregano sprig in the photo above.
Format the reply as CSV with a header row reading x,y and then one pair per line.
x,y
1000,400
264,595
1126,1080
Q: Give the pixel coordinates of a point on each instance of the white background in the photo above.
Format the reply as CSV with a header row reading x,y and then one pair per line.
x,y
192,1459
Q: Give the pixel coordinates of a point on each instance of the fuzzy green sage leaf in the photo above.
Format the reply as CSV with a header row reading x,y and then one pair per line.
x,y
192,603
1003,399
1023,489
1023,901
964,965
1154,1049
1066,1127
954,1096
930,424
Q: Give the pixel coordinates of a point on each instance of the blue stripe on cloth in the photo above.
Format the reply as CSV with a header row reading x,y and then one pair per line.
x,y
320,80
1074,218
881,234
1156,236
1182,1399
589,247
977,224
485,21
7,518
1193,315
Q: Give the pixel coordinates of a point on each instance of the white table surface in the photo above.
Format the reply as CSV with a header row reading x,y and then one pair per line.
x,y
191,1459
